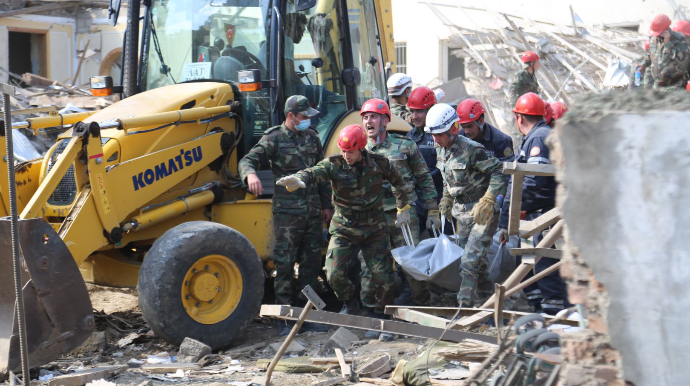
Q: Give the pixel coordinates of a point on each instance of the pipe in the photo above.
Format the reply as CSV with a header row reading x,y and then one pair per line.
x,y
131,54
169,211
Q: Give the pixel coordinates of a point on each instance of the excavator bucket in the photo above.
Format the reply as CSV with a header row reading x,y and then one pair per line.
x,y
58,312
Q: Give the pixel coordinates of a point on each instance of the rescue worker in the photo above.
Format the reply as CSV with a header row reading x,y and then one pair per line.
x,y
548,114
538,196
406,158
297,217
420,101
497,144
683,27
399,88
525,80
472,181
357,177
668,55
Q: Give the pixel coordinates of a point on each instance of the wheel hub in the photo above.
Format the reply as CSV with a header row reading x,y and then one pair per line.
x,y
203,286
212,289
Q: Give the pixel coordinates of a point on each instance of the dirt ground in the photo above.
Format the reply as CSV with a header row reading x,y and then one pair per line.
x,y
118,316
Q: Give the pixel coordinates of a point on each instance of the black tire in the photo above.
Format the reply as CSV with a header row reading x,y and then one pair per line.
x,y
162,276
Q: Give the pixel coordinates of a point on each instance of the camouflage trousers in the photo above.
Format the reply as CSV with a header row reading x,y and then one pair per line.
x,y
420,289
298,240
375,248
475,239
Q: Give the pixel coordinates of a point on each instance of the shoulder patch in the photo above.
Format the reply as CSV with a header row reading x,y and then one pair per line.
x,y
534,151
272,129
507,151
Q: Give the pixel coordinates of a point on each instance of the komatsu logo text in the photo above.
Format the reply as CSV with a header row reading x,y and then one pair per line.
x,y
164,169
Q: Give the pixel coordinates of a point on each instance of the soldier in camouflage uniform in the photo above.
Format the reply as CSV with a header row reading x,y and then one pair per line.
x,y
297,217
357,177
471,182
399,89
525,80
668,56
404,155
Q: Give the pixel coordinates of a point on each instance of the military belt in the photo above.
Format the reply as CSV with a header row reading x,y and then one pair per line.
x,y
468,198
299,192
365,214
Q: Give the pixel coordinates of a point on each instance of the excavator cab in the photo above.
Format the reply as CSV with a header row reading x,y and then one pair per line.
x,y
139,178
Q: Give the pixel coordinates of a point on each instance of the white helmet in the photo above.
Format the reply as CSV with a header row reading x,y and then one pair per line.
x,y
398,83
440,118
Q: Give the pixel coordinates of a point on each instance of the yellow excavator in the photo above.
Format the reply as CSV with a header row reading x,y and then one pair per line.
x,y
145,193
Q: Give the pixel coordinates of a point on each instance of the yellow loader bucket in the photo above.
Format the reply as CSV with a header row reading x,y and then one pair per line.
x,y
58,312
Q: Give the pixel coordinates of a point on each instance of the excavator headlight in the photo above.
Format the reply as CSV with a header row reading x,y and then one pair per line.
x,y
249,80
101,85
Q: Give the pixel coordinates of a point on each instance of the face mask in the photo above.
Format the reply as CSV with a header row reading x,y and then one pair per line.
x,y
303,125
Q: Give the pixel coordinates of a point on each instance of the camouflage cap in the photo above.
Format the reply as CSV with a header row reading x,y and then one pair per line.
x,y
298,104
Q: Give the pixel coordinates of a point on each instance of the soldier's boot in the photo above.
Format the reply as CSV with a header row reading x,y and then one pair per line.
x,y
350,307
284,327
405,297
313,327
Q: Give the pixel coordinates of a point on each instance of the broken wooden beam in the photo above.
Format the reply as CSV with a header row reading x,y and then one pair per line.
x,y
401,312
371,324
594,61
515,208
345,370
542,252
517,168
530,228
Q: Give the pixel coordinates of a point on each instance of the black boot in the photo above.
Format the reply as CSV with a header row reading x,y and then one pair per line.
x,y
350,307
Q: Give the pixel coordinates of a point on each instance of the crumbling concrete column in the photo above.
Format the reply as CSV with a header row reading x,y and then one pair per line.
x,y
624,174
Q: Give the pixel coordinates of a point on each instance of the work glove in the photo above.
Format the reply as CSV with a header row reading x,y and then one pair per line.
x,y
291,183
446,207
433,220
502,235
483,211
403,216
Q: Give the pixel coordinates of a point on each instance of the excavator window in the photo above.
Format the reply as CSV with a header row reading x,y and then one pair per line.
x,y
366,50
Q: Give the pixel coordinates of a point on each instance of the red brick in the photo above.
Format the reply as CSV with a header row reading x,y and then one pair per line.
x,y
577,294
575,351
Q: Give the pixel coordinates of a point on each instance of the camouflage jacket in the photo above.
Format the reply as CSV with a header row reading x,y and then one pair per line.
x,y
524,82
358,194
401,111
468,171
406,158
288,152
668,61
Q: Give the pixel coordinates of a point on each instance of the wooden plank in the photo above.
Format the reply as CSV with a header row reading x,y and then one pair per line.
x,y
542,170
363,323
344,367
81,61
498,310
530,228
331,382
421,318
594,61
515,204
542,252
83,377
450,311
39,8
471,321
572,17
535,278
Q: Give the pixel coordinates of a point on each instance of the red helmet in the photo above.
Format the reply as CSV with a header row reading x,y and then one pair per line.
x,y
352,137
659,25
376,106
646,45
529,56
470,110
687,86
559,109
529,104
681,26
421,98
548,112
